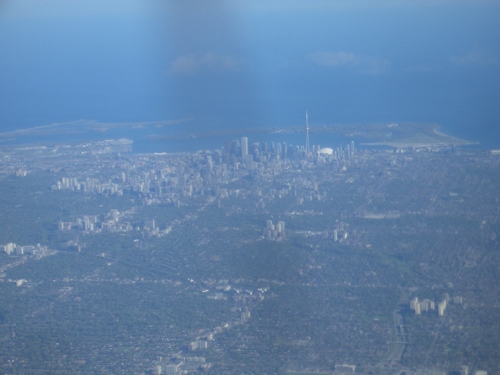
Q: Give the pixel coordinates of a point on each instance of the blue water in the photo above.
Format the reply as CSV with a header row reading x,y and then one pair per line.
x,y
153,139
411,64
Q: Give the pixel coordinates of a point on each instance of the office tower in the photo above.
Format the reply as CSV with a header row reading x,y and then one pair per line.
x,y
352,148
210,164
464,370
307,135
244,147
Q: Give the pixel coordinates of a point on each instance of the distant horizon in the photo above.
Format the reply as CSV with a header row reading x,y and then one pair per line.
x,y
233,65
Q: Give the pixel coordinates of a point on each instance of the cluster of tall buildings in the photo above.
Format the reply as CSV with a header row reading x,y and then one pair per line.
x,y
464,370
12,248
111,222
170,369
427,305
199,344
345,153
181,365
174,179
88,185
275,231
345,369
277,151
240,149
340,233
87,223
419,306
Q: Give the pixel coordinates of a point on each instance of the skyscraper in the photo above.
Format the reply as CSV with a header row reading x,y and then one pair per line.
x,y
281,226
307,135
244,147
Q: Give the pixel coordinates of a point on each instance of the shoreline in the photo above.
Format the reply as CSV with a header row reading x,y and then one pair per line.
x,y
419,141
403,135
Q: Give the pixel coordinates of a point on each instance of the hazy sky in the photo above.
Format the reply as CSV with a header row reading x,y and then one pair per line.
x,y
259,62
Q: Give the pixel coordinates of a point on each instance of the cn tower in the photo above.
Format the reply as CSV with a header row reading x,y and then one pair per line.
x,y
307,134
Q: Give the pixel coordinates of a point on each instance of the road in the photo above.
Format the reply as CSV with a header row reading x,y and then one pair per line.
x,y
392,365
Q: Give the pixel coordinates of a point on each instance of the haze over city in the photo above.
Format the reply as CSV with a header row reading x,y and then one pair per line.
x,y
235,187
